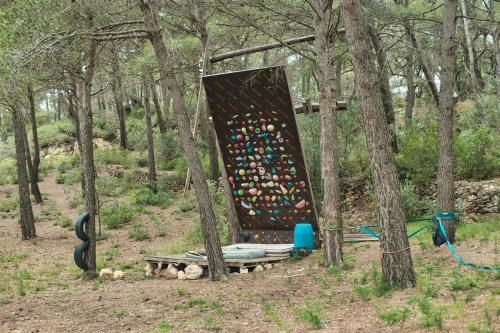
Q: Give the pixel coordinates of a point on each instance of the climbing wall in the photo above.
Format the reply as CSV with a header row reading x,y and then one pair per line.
x,y
258,138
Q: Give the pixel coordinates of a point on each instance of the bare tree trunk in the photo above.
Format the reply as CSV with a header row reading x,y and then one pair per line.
x,y
149,129
397,266
35,190
116,87
36,146
166,103
156,102
476,86
85,117
427,73
216,262
385,89
28,230
445,200
410,84
332,213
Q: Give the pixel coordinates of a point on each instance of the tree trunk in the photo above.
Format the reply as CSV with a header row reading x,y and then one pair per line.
x,y
35,190
397,266
85,117
385,89
26,211
216,262
410,85
149,129
166,103
36,145
156,102
445,200
332,214
427,73
116,87
476,86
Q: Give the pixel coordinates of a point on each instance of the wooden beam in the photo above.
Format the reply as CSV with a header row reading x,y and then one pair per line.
x,y
314,107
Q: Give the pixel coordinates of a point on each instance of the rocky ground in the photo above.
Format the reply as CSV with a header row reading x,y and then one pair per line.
x,y
41,289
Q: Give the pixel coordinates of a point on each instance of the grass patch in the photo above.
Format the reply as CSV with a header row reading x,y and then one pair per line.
x,y
395,316
13,258
64,222
432,314
210,324
146,197
268,308
56,133
9,205
116,215
138,232
8,172
485,229
119,313
111,186
310,313
164,327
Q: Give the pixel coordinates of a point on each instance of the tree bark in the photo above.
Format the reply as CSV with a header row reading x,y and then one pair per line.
x,y
385,89
216,262
397,266
36,146
410,84
35,190
28,230
166,103
445,200
87,157
156,102
116,87
476,86
149,129
332,213
427,73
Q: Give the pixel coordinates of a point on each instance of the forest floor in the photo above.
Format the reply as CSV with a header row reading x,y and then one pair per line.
x,y
41,289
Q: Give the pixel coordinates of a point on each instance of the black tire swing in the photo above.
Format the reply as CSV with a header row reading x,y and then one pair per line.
x,y
82,247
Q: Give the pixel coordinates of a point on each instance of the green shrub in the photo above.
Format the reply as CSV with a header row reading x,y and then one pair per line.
x,y
112,156
117,214
71,177
111,186
146,197
432,315
413,205
170,180
56,133
63,222
417,159
477,154
394,316
8,171
68,163
9,205
138,232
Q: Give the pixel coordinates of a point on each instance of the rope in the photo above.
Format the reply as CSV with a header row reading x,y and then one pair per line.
x,y
392,252
457,257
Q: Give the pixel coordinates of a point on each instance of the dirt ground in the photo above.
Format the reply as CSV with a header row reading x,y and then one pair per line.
x,y
52,298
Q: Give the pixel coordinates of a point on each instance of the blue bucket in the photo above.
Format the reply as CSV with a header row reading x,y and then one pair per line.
x,y
303,237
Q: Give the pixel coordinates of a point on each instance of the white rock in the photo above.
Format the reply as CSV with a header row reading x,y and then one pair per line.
x,y
106,274
258,268
243,270
193,272
268,266
170,272
118,275
181,275
148,269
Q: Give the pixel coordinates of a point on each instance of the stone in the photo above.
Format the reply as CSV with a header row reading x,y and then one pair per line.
x,y
181,276
118,275
268,266
106,274
148,269
193,272
170,272
243,270
258,268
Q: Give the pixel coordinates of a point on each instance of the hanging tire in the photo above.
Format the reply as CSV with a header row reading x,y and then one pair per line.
x,y
80,226
78,255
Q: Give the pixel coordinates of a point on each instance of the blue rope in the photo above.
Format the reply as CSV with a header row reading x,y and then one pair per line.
x,y
366,228
459,259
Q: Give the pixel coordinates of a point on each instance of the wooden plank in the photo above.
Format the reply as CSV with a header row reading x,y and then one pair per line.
x,y
181,259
